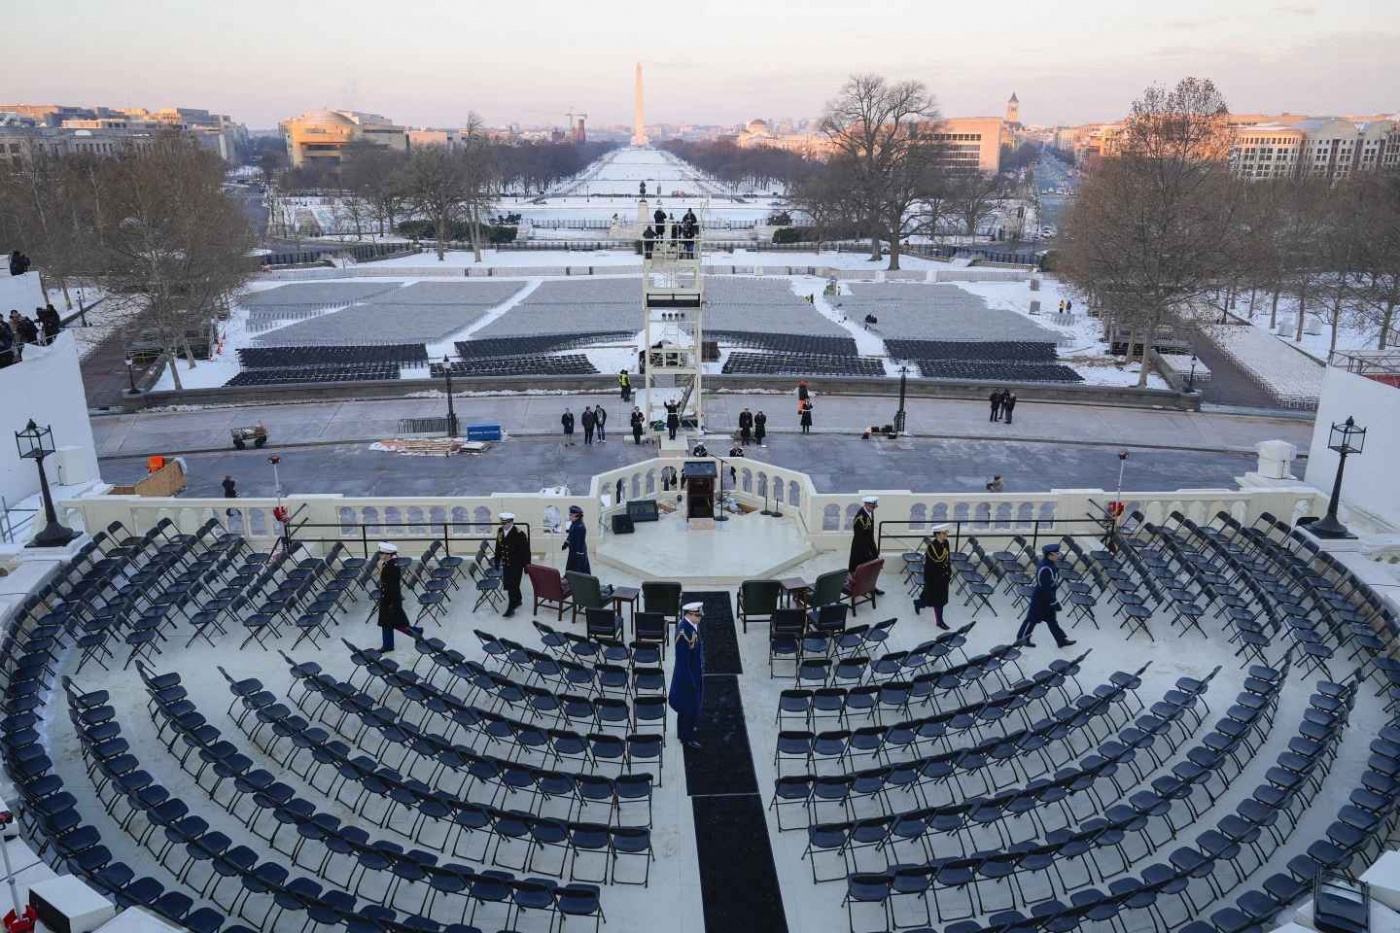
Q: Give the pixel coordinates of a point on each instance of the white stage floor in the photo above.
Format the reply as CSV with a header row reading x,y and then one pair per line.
x,y
743,548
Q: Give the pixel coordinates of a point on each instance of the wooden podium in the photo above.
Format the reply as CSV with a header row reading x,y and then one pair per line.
x,y
701,483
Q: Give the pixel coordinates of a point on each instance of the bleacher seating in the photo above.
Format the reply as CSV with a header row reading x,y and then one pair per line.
x,y
403,354
535,343
564,364
1005,351
996,371
354,372
785,343
800,364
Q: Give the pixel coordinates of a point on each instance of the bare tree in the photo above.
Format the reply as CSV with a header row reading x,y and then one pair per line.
x,y
482,176
1377,225
375,175
435,181
973,196
886,132
1146,231
829,197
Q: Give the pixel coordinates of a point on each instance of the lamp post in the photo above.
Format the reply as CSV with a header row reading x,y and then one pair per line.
x,y
899,415
130,376
451,412
1347,438
1191,376
36,443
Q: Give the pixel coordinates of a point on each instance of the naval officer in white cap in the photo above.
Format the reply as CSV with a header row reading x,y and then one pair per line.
x,y
864,547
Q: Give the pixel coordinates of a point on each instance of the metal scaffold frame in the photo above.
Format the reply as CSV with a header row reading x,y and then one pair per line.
x,y
673,325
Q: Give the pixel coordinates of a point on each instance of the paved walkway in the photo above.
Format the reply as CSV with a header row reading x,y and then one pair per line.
x,y
207,429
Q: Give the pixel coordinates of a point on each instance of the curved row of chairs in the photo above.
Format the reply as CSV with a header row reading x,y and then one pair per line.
x,y
265,890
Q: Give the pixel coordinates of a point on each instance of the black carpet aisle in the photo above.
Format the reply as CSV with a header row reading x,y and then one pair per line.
x,y
738,880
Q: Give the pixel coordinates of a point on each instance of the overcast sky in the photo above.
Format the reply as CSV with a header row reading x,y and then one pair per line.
x,y
706,61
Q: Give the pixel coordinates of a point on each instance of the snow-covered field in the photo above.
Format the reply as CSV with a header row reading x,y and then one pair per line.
x,y
1291,375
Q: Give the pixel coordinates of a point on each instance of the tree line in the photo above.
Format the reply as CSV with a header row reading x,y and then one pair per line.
x,y
1164,235
152,228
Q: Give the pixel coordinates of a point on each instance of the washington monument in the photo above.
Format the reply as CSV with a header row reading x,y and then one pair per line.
x,y
639,123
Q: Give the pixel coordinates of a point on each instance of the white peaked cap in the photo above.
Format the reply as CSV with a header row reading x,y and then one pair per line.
x,y
386,548
693,607
871,500
507,516
945,527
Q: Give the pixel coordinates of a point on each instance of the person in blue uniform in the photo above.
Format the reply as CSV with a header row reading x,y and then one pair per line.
x,y
577,543
687,680
511,557
1044,604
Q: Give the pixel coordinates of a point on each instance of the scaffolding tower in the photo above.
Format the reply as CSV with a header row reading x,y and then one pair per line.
x,y
673,327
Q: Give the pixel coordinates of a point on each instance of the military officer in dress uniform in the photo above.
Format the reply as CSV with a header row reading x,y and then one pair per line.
x,y
1044,603
577,543
938,571
863,546
512,554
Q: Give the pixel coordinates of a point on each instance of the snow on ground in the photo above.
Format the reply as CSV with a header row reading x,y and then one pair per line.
x,y
867,343
1317,332
1294,377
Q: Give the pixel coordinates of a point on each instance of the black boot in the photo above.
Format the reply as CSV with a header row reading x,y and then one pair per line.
x,y
918,604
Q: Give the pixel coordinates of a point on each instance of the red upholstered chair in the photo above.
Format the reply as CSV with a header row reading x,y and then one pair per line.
x,y
551,590
861,587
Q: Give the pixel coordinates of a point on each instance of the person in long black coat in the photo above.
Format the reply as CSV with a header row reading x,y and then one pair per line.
x,y
745,425
673,419
391,614
1044,603
863,545
760,427
995,399
687,693
638,422
600,420
806,419
938,572
589,421
576,543
512,556
567,420
1008,405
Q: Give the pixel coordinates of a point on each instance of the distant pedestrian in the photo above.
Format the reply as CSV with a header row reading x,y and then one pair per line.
x,y
624,384
576,543
590,421
760,427
600,417
1062,306
638,420
17,340
19,263
995,484
1069,305
745,426
230,487
995,399
802,395
391,615
567,420
648,241
8,353
1008,404
660,218
49,322
806,419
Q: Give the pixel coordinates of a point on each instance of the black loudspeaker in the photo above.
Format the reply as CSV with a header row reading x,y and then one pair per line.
x,y
642,510
622,524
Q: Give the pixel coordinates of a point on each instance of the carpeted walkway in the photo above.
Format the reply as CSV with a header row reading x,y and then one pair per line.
x,y
737,877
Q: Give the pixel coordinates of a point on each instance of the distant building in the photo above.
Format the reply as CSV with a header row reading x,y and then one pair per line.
x,y
974,143
320,136
55,129
1013,110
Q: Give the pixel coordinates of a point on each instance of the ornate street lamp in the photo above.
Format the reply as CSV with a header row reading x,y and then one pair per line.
x,y
1346,438
899,415
36,443
130,376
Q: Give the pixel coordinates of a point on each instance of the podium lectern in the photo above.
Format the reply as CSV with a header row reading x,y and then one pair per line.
x,y
701,482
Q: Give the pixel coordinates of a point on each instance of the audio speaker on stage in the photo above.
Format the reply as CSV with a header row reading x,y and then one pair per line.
x,y
67,905
643,510
622,524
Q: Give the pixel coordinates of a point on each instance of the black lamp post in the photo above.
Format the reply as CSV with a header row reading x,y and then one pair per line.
x,y
899,415
1346,438
451,412
36,443
130,376
1191,377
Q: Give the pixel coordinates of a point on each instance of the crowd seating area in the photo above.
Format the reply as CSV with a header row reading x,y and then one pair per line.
x,y
314,294
800,364
536,343
349,372
401,354
424,311
1004,351
955,791
564,364
785,343
583,306
937,313
763,306
996,371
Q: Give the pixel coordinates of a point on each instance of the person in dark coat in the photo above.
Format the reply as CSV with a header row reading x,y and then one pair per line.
x,y
18,263
760,427
1008,404
1044,603
576,543
938,572
50,324
17,341
230,488
600,419
745,425
660,219
567,420
863,545
511,557
391,614
638,423
8,353
648,240
806,419
589,422
687,692
673,418
995,399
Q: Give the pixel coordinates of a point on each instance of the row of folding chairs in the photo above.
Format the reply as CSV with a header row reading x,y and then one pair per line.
x,y
435,756
649,631
821,635
373,890
546,674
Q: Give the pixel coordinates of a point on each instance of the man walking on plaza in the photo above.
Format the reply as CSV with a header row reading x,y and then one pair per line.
x,y
995,399
688,678
1008,404
567,420
512,554
589,422
1044,604
391,614
600,418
